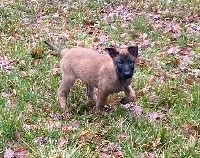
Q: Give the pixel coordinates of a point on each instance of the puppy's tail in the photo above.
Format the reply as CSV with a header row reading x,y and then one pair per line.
x,y
53,47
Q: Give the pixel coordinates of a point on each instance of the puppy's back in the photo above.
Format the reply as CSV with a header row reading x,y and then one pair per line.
x,y
85,64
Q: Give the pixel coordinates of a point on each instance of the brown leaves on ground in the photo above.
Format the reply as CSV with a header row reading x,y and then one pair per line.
x,y
86,136
71,126
6,63
138,111
191,131
123,136
108,149
18,152
113,101
148,155
62,142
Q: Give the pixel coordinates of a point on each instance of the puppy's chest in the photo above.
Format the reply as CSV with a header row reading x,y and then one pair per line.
x,y
115,86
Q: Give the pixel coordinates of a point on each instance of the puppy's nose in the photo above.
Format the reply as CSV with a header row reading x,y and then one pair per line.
x,y
127,74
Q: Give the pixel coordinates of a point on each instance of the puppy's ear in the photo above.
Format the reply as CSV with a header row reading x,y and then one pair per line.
x,y
112,52
133,50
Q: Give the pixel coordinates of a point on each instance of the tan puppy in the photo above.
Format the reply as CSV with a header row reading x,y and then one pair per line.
x,y
109,73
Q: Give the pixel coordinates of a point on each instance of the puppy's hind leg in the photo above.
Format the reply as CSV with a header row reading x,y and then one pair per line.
x,y
66,83
91,94
129,95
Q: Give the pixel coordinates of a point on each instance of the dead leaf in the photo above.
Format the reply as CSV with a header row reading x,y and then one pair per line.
x,y
134,108
123,136
21,152
103,39
188,81
185,51
113,101
139,92
86,136
190,129
62,142
55,16
9,153
71,126
109,149
142,62
6,63
37,53
55,71
153,116
173,50
40,140
36,62
148,155
23,74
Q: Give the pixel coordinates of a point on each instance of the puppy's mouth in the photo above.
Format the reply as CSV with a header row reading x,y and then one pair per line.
x,y
128,75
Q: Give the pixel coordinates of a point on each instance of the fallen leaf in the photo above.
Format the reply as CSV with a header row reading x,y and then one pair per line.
x,y
55,71
111,149
21,152
134,108
188,81
62,142
123,35
23,74
148,155
103,39
123,136
114,100
55,16
142,62
6,63
9,153
153,116
190,129
40,140
71,126
139,92
185,51
37,53
104,155
196,72
86,136
173,50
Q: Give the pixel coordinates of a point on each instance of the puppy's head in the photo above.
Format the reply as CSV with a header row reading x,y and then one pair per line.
x,y
124,61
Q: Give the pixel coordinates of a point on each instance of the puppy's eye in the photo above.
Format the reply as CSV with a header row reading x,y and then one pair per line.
x,y
131,63
120,62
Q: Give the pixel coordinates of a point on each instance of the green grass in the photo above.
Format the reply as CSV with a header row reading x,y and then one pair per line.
x,y
30,117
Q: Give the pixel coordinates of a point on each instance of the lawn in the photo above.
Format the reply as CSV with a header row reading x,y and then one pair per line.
x,y
163,122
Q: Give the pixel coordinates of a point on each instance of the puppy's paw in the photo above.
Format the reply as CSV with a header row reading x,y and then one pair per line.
x,y
102,110
127,100
107,108
124,101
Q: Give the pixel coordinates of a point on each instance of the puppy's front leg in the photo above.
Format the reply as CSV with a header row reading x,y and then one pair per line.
x,y
129,95
91,94
101,100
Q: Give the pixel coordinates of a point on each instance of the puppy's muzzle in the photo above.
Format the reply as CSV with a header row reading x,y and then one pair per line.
x,y
128,75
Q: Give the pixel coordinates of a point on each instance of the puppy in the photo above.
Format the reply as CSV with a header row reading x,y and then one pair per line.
x,y
109,73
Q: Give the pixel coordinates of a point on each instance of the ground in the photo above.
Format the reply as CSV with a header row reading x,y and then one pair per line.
x,y
164,120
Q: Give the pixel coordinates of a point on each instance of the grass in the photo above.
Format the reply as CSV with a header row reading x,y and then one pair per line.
x,y
30,117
